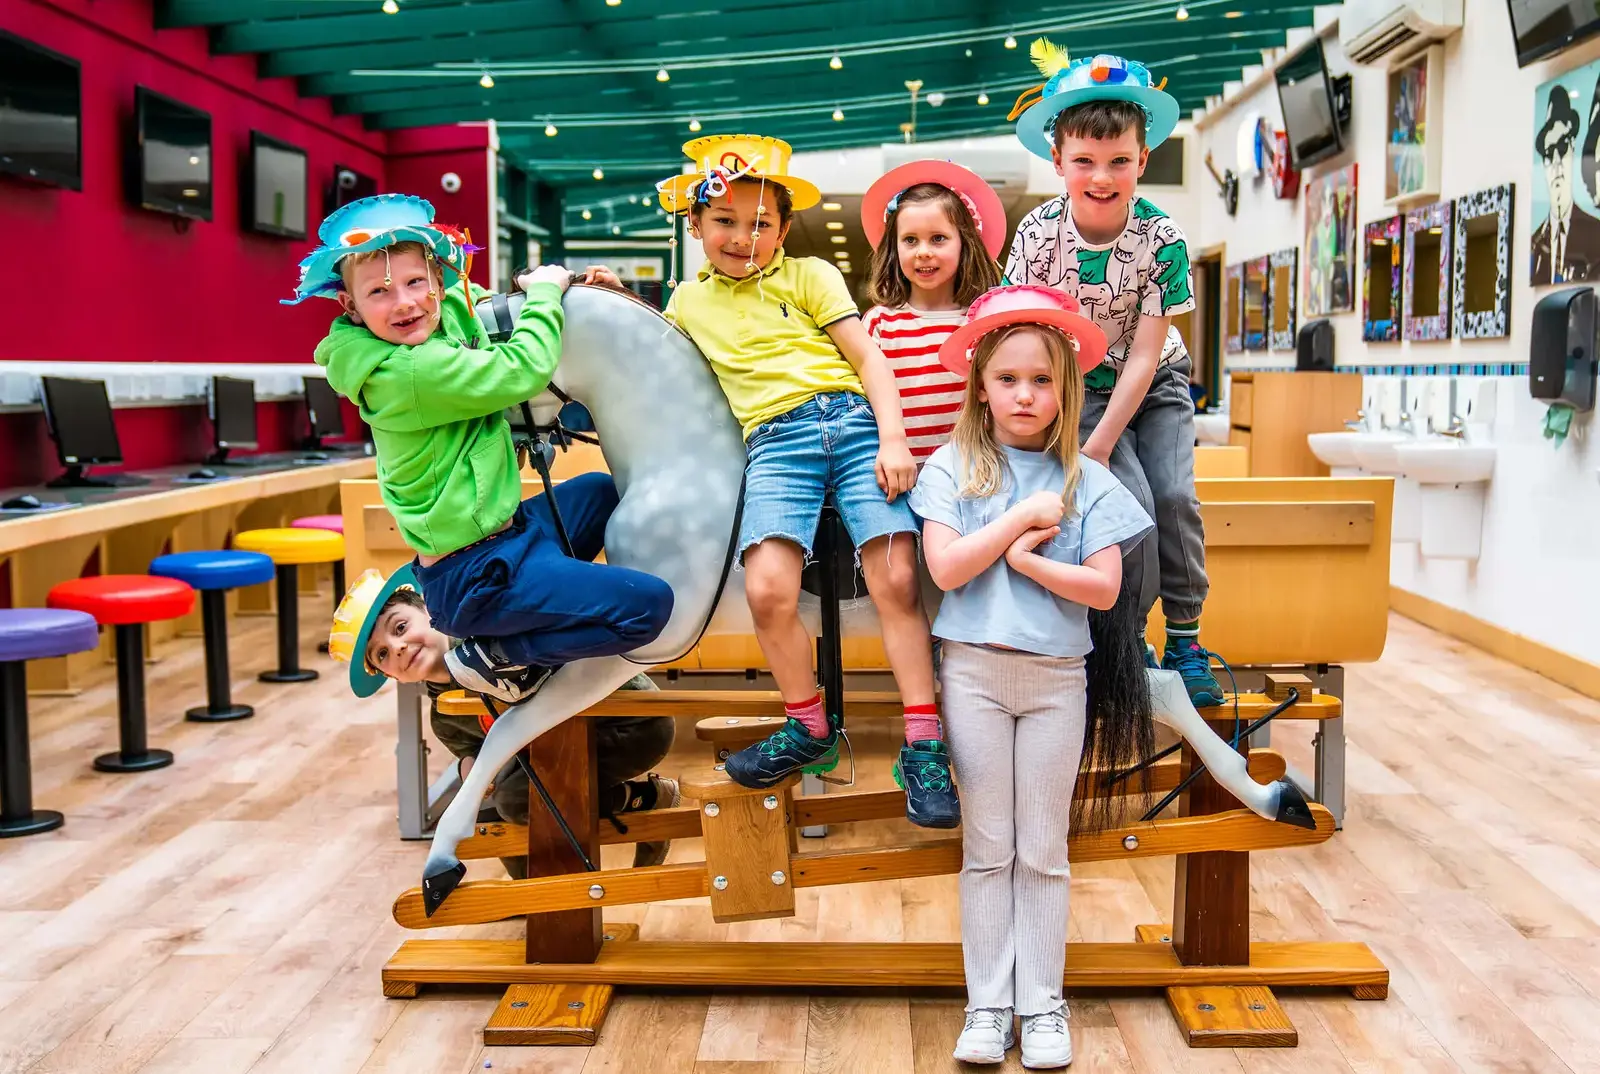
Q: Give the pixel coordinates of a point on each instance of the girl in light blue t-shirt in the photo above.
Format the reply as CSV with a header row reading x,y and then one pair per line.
x,y
1024,536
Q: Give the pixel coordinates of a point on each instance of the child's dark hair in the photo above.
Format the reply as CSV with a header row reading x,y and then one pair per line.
x,y
780,193
403,595
976,272
1101,119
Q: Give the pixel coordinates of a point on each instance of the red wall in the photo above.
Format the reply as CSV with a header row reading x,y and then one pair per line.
x,y
125,285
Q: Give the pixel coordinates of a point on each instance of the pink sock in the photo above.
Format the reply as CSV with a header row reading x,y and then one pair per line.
x,y
922,723
811,715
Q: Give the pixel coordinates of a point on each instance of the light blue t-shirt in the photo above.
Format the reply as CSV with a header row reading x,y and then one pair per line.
x,y
1000,606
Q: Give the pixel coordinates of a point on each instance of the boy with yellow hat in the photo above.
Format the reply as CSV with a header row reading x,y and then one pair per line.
x,y
821,415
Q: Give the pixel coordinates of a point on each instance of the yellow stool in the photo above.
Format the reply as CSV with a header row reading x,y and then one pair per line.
x,y
289,548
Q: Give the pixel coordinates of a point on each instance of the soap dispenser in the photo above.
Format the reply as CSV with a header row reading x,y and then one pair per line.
x,y
1561,357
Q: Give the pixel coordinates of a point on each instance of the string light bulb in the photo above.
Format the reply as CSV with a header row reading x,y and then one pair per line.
x,y
1183,13
587,215
487,81
549,130
1011,42
662,76
694,124
613,3
390,7
838,115
616,229
836,62
983,98
599,173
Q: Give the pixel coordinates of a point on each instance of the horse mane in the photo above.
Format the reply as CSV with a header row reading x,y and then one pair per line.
x,y
1119,730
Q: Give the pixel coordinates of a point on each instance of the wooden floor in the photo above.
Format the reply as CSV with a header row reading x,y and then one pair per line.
x,y
231,913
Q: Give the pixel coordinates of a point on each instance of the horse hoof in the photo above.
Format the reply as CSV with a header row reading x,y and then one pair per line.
x,y
438,886
1292,807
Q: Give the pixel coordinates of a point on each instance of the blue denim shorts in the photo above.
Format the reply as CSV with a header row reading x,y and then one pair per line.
x,y
826,445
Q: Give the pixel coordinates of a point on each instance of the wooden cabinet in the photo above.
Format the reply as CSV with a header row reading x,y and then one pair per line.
x,y
1270,414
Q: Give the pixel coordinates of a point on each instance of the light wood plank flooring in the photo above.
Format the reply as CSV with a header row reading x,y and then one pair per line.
x,y
231,913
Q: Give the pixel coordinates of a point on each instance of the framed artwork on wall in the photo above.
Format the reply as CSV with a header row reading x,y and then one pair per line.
x,y
1430,233
1331,242
1281,298
1412,150
1233,308
1480,292
1256,312
1380,297
1565,244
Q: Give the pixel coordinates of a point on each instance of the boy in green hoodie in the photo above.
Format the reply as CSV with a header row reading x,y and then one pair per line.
x,y
409,352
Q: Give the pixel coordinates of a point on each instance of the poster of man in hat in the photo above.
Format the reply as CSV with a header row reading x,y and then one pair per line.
x,y
1566,205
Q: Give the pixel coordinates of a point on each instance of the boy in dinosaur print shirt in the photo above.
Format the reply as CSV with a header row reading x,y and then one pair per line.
x,y
1127,264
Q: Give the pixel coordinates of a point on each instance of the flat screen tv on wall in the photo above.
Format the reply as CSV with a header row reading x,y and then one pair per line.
x,y
275,188
169,166
1305,94
41,135
1541,28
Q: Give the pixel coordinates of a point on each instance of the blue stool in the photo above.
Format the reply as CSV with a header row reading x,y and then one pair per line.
x,y
30,634
213,574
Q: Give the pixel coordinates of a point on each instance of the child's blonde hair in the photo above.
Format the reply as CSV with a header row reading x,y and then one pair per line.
x,y
350,261
976,272
980,465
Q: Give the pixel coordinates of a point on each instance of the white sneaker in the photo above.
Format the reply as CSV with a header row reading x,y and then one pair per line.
x,y
986,1036
1046,1043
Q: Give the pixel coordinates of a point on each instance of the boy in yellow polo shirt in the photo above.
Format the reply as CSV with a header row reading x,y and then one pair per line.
x,y
820,414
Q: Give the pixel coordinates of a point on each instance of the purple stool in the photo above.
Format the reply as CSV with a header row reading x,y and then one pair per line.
x,y
30,634
334,523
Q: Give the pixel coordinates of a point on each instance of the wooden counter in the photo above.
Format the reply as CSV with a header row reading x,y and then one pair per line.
x,y
1269,415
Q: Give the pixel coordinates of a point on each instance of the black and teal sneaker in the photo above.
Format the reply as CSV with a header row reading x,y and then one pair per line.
x,y
1192,662
781,754
923,772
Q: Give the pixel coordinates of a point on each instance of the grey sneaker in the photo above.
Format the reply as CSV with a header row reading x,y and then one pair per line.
x,y
1046,1043
478,666
667,796
987,1035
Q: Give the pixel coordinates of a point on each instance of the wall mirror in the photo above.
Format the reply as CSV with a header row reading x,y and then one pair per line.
x,y
1255,304
1430,234
1480,306
1285,266
1380,291
1233,303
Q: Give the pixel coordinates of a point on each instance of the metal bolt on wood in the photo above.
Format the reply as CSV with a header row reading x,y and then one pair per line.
x,y
519,1003
778,878
720,883
770,801
596,891
1130,842
712,809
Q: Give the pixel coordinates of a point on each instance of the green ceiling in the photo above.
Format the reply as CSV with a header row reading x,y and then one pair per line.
x,y
590,68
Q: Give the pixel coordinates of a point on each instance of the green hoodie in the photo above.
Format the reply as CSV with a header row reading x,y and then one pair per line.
x,y
446,465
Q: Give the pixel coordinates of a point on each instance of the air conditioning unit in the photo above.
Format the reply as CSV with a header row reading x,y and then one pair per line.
x,y
1387,32
1004,169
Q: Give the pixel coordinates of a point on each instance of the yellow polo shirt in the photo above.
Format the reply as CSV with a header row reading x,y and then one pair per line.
x,y
763,334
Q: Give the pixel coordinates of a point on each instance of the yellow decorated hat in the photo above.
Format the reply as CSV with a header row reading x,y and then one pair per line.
x,y
720,158
354,619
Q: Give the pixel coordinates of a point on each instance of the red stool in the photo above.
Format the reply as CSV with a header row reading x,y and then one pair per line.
x,y
127,602
333,524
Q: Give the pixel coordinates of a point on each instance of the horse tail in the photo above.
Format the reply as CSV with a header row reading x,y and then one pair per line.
x,y
1119,729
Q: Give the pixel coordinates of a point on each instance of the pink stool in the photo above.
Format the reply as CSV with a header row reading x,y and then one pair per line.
x,y
336,524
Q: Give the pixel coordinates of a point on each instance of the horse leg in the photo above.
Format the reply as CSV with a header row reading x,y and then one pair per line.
x,y
570,690
1170,705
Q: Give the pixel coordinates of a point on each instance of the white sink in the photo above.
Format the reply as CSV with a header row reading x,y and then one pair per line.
x,y
1443,461
1211,428
1337,451
1454,477
1374,452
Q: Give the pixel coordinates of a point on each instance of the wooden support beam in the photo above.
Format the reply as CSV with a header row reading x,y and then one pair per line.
x,y
564,758
1211,888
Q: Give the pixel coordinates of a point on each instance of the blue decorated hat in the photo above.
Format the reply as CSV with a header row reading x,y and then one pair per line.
x,y
1102,78
372,224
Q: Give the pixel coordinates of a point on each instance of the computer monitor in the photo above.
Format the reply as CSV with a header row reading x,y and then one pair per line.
x,y
233,416
324,410
78,415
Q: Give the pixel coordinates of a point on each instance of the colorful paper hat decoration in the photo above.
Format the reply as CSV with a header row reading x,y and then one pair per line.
x,y
721,158
354,620
1023,304
883,197
372,224
1102,78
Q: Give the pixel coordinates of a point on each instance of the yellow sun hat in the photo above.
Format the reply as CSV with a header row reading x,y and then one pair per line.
x,y
354,619
721,158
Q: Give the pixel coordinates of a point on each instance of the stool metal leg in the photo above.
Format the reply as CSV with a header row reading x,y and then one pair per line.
x,y
289,669
17,815
135,755
338,595
219,704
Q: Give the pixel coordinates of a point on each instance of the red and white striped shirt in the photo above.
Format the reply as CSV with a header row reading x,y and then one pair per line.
x,y
930,395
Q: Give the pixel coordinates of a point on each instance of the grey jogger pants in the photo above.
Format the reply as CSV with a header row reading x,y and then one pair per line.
x,y
1015,724
1155,460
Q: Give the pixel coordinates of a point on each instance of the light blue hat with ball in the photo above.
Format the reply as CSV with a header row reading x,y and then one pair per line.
x,y
1103,77
373,224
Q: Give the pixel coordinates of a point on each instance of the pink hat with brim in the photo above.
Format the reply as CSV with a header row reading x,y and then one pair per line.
x,y
984,204
1023,304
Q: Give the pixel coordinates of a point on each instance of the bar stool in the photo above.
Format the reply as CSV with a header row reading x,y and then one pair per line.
x,y
213,573
334,524
289,548
127,602
30,634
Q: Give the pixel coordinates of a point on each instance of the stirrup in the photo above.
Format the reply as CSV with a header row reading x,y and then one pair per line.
x,y
830,761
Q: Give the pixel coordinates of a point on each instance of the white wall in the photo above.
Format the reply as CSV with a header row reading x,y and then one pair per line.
x,y
1539,572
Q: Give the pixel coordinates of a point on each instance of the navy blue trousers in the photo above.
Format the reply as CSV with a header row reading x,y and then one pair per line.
x,y
542,606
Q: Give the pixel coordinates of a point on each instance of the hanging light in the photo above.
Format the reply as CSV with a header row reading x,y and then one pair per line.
x,y
983,98
1011,42
587,215
662,76
599,173
838,115
616,229
694,124
549,130
1183,13
487,81
390,7
836,62
613,3
645,200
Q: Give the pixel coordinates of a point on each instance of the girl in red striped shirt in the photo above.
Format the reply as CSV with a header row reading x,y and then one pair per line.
x,y
936,229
